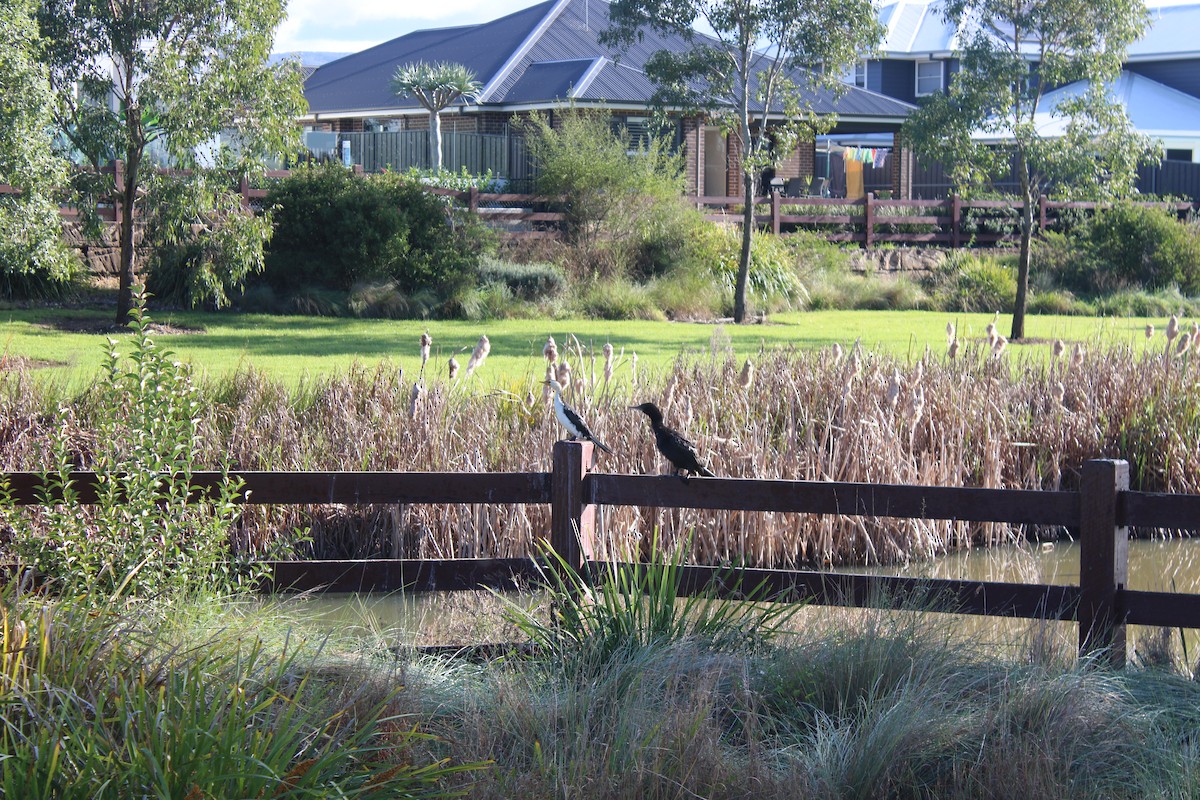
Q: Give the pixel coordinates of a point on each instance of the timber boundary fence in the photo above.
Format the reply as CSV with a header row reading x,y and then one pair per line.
x,y
1099,515
952,222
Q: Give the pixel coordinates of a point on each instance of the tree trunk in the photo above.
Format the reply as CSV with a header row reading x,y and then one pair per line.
x,y
743,275
128,195
1018,322
435,139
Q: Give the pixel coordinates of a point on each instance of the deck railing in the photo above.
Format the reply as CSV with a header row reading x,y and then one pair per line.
x,y
1098,514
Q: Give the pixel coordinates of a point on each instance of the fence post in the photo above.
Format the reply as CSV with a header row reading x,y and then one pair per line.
x,y
572,518
1042,213
868,221
244,191
1103,560
473,200
955,220
775,212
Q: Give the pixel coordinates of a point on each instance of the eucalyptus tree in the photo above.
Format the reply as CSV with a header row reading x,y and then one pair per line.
x,y
31,247
435,86
994,116
128,74
756,58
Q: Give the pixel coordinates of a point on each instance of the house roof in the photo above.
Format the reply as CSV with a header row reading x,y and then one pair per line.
x,y
917,28
1155,110
543,55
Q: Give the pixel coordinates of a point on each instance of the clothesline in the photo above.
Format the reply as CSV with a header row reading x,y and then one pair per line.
x,y
875,156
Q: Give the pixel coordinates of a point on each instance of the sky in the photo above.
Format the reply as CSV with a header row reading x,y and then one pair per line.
x,y
347,26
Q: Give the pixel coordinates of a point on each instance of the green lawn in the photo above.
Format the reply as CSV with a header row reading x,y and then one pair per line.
x,y
290,348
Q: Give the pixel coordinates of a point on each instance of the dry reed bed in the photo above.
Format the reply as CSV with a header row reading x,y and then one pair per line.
x,y
975,419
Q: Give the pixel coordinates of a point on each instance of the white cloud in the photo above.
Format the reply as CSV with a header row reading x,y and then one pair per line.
x,y
355,25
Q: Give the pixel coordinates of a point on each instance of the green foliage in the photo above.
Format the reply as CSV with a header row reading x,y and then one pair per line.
x,y
993,117
772,278
33,259
726,75
435,86
143,536
188,73
525,281
604,183
615,298
966,282
1135,246
626,608
334,228
221,718
204,245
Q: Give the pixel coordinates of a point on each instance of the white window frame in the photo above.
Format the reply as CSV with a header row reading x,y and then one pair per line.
x,y
941,77
856,74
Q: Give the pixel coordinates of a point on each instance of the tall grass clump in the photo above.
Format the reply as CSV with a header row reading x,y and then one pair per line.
x,y
100,703
144,534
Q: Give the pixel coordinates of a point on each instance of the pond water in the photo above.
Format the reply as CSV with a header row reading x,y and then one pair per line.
x,y
1171,565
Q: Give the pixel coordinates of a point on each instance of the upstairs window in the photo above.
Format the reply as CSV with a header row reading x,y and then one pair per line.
x,y
929,77
856,74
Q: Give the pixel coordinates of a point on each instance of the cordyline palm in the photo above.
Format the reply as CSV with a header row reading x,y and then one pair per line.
x,y
435,86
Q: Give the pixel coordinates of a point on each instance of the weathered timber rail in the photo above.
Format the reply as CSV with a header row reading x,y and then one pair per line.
x,y
1098,514
952,222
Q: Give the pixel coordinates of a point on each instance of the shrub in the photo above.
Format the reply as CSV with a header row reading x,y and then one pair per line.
x,y
772,278
525,281
971,283
1136,246
616,298
143,536
203,245
334,229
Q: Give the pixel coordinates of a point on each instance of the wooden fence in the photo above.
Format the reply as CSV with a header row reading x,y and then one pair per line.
x,y
1099,514
952,222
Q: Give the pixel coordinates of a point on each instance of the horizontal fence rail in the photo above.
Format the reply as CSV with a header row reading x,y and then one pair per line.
x,y
951,222
1099,515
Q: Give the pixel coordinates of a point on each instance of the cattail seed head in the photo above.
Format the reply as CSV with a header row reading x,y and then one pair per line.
x,y
608,361
953,351
1059,348
950,333
550,351
563,376
1185,343
990,330
746,376
1058,391
479,354
892,396
426,341
836,352
1172,327
453,367
1077,356
1150,331
414,399
998,346
916,404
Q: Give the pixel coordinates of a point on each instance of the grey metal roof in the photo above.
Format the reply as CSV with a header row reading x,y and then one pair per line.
x,y
917,27
544,54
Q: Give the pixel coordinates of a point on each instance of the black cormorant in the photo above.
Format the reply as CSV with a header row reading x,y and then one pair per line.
x,y
678,450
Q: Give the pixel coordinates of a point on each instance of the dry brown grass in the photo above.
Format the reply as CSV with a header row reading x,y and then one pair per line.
x,y
976,419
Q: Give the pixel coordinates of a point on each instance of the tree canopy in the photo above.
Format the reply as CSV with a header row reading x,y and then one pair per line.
x,y
758,57
435,86
995,118
173,74
31,247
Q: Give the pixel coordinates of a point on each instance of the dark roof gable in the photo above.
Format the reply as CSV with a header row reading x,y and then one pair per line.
x,y
544,54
